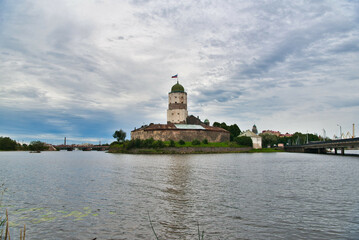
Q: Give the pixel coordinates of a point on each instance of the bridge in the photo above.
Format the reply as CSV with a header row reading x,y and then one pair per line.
x,y
321,147
82,147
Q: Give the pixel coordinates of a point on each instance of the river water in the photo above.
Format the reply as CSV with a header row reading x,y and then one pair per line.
x,y
87,195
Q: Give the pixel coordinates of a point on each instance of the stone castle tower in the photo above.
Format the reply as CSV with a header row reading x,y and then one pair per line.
x,y
177,105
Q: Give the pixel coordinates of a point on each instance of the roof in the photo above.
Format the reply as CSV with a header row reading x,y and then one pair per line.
x,y
177,88
188,126
249,133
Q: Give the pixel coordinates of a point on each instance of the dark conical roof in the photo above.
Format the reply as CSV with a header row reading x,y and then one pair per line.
x,y
177,88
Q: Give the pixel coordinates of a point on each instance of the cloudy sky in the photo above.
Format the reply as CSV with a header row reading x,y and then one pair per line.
x,y
83,69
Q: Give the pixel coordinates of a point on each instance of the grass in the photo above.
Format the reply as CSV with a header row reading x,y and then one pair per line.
x,y
210,144
265,150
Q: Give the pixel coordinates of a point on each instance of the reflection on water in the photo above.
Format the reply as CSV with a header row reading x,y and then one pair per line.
x,y
178,205
86,195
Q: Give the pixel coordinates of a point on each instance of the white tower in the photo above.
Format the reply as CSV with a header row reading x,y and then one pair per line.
x,y
177,105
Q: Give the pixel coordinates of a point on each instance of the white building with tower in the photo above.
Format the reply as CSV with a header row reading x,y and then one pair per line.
x,y
179,125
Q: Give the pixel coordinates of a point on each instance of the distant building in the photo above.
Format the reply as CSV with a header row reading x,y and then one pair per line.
x,y
179,125
254,129
277,133
256,140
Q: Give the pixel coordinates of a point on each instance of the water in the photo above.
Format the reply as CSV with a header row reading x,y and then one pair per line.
x,y
86,195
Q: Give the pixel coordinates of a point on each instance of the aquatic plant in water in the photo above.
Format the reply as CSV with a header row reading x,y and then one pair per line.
x,y
200,236
4,222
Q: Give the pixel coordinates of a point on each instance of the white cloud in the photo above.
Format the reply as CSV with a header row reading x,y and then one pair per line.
x,y
241,62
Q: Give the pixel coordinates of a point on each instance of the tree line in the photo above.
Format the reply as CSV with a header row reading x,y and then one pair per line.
x,y
8,144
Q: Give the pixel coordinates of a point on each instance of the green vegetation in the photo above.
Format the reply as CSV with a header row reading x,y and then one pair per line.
x,y
37,146
265,150
244,140
232,129
172,143
196,142
120,135
296,139
152,146
4,221
7,144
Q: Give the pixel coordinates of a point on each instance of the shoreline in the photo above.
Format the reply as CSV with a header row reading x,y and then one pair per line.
x,y
193,150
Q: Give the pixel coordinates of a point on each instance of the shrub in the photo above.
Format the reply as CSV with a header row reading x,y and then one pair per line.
x,y
138,143
205,141
37,146
181,142
172,143
148,142
245,141
196,142
158,144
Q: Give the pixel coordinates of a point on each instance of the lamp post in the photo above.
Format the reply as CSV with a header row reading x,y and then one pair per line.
x,y
340,127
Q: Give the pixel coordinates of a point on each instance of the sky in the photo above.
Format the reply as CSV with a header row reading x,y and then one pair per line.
x,y
83,69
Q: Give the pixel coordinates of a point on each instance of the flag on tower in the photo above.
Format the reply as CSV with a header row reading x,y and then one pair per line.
x,y
175,76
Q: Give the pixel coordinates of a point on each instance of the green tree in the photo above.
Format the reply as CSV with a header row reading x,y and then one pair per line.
x,y
269,140
216,124
7,144
37,146
224,125
234,131
196,142
120,135
244,140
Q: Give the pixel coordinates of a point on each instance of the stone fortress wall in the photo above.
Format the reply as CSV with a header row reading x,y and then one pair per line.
x,y
186,135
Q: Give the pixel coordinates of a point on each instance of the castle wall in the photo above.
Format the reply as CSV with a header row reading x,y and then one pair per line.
x,y
186,135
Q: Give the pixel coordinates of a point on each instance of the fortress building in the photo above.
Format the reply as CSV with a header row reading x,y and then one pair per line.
x,y
179,125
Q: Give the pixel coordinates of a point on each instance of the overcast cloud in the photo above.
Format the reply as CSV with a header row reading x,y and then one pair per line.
x,y
83,69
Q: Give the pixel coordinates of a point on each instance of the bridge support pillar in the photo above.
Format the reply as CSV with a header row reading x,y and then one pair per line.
x,y
342,151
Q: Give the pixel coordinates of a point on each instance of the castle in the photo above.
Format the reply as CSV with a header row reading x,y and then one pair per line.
x,y
179,125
